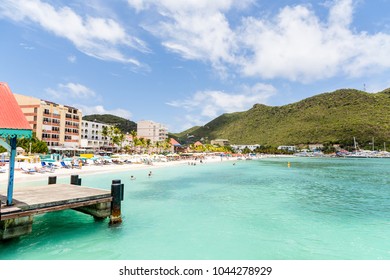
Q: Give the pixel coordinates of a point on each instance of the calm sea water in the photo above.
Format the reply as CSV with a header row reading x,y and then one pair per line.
x,y
320,209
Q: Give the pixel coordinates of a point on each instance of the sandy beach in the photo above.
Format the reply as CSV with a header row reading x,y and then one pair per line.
x,y
21,176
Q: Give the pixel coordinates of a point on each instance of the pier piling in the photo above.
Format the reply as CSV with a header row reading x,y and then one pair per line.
x,y
117,190
75,180
52,180
17,220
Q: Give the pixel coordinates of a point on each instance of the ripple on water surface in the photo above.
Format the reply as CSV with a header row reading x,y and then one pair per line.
x,y
259,209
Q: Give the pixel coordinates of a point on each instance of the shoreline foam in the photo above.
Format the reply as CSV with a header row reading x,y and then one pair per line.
x,y
20,176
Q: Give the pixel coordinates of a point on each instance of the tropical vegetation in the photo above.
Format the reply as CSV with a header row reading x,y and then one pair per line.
x,y
125,125
332,118
33,145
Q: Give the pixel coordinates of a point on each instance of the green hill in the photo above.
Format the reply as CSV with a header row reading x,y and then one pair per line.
x,y
334,117
123,124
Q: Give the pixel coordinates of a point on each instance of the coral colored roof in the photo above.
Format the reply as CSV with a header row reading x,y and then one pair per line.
x,y
197,143
174,142
11,116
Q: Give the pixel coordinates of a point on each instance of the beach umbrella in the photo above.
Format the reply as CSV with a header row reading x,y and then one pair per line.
x,y
22,157
95,158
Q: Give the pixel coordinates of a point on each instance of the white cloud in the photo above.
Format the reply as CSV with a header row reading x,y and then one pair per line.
x,y
173,6
295,44
99,37
99,109
74,93
195,29
26,47
72,59
71,90
189,121
205,105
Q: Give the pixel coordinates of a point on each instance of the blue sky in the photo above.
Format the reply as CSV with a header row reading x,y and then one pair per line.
x,y
183,63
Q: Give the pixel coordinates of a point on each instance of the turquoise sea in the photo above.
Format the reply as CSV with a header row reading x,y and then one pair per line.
x,y
318,209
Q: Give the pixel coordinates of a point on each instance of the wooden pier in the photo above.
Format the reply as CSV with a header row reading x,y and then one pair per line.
x,y
17,219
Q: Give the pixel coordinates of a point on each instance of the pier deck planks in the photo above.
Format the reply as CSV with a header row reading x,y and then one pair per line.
x,y
48,198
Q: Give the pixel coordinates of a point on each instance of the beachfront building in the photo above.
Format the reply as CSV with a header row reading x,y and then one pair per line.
x,y
316,147
287,148
154,131
220,142
92,138
240,148
57,125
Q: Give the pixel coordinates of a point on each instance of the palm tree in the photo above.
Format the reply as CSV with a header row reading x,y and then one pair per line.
x,y
158,146
116,135
167,144
105,131
147,143
119,136
133,134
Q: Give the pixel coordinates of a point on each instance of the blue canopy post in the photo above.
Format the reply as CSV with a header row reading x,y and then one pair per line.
x,y
11,136
10,190
13,125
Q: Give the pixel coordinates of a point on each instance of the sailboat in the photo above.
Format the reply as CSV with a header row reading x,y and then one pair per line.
x,y
358,153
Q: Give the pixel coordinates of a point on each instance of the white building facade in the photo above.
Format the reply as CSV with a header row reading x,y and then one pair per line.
x,y
288,148
240,148
154,131
91,135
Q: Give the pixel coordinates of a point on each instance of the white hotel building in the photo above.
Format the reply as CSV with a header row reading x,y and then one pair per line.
x,y
91,135
154,131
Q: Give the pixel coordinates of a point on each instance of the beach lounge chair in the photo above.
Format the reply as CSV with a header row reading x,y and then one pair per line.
x,y
28,170
53,165
46,167
64,165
